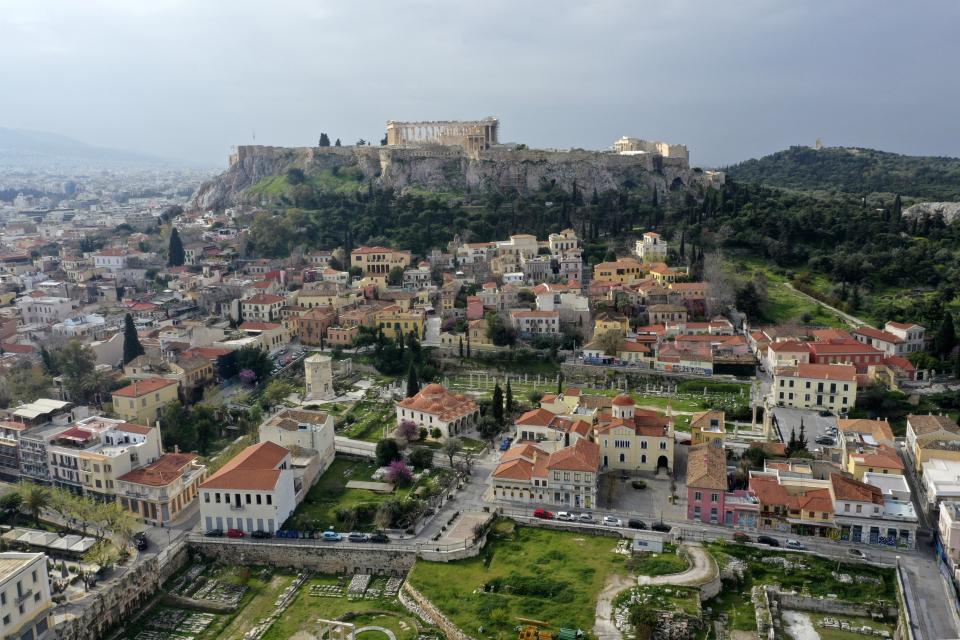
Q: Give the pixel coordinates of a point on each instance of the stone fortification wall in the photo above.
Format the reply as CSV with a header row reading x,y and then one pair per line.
x,y
323,559
121,599
418,604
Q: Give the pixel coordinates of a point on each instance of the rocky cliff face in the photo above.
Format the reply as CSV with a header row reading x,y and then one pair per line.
x,y
949,211
439,168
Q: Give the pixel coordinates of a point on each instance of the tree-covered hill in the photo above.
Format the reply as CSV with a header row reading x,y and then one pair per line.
x,y
854,170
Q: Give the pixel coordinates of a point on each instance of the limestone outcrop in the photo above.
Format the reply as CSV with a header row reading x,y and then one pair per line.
x,y
442,168
949,211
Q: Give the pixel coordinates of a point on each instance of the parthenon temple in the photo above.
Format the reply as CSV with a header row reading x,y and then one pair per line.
x,y
472,135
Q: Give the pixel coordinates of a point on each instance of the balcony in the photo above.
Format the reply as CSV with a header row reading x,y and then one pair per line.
x,y
236,507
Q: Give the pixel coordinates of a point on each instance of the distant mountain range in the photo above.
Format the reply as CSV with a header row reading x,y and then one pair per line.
x,y
40,149
854,170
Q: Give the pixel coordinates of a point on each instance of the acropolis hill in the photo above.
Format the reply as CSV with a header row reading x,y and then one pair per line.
x,y
464,156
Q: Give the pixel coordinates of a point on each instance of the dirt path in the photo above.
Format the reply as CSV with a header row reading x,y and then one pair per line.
x,y
604,627
853,321
703,570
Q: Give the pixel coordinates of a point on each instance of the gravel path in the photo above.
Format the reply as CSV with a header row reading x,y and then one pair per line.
x,y
703,570
604,627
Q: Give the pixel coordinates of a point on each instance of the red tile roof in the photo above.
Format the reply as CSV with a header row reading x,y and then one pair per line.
x,y
845,488
264,298
253,469
707,467
436,400
252,325
143,387
844,372
166,469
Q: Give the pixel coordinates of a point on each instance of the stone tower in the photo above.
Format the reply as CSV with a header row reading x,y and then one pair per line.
x,y
319,376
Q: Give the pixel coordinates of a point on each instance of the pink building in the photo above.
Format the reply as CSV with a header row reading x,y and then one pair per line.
x,y
475,309
708,499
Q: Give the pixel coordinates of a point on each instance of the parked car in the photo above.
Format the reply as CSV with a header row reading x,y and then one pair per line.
x,y
794,544
140,540
767,540
543,514
856,553
565,516
379,538
356,536
585,517
826,413
214,533
741,537
235,533
331,536
826,441
662,527
610,521
636,524
261,534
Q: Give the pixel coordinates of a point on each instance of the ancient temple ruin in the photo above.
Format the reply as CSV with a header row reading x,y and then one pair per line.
x,y
471,135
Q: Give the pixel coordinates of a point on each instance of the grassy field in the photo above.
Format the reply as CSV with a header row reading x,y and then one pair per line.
x,y
306,609
330,494
783,304
557,582
658,564
368,420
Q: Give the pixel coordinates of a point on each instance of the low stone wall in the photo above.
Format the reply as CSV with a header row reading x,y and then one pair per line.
x,y
392,562
199,605
418,603
831,605
470,551
118,601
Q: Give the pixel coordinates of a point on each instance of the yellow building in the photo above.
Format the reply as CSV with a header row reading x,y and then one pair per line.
x,y
665,275
816,386
143,401
635,439
611,322
881,459
707,426
378,261
393,320
623,271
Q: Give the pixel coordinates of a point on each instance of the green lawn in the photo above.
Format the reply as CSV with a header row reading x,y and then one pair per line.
x,y
306,609
368,420
523,572
658,564
318,510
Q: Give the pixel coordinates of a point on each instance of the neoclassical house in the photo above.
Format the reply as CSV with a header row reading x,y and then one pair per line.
x,y
435,407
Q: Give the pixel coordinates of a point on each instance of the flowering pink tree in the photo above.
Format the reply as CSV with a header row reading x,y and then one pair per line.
x,y
247,376
399,474
408,430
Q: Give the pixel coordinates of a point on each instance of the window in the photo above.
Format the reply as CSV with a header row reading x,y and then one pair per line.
x,y
6,619
663,445
217,495
269,498
643,444
249,499
859,508
34,575
206,497
714,497
696,495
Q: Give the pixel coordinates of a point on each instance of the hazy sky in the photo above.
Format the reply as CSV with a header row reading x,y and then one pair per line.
x,y
732,80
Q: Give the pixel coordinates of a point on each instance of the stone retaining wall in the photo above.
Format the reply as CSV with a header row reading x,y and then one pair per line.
x,y
831,605
392,562
119,600
418,603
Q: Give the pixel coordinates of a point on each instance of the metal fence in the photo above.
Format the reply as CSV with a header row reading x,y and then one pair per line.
x,y
410,545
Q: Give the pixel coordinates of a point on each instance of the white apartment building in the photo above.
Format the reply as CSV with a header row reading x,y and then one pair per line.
x,y
255,491
536,323
309,437
651,248
44,309
26,608
911,334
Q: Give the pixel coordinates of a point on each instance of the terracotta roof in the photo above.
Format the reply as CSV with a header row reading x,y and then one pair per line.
x,y
904,326
143,387
623,400
922,425
899,362
883,456
252,469
702,419
843,372
877,334
879,429
846,348
707,467
534,314
436,400
583,455
845,488
166,469
536,418
769,491
132,427
9,347
252,325
789,346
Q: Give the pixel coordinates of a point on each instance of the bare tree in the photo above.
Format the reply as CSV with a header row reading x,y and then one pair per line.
x,y
722,290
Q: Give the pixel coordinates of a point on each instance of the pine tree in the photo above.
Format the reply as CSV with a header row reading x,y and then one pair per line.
x,y
131,341
946,338
498,404
324,140
461,346
791,443
175,255
337,143
509,397
413,384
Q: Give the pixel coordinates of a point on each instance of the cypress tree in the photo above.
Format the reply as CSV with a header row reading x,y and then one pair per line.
x,y
324,140
468,345
461,346
509,397
131,341
791,443
802,438
413,384
947,336
683,238
559,384
498,404
175,255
